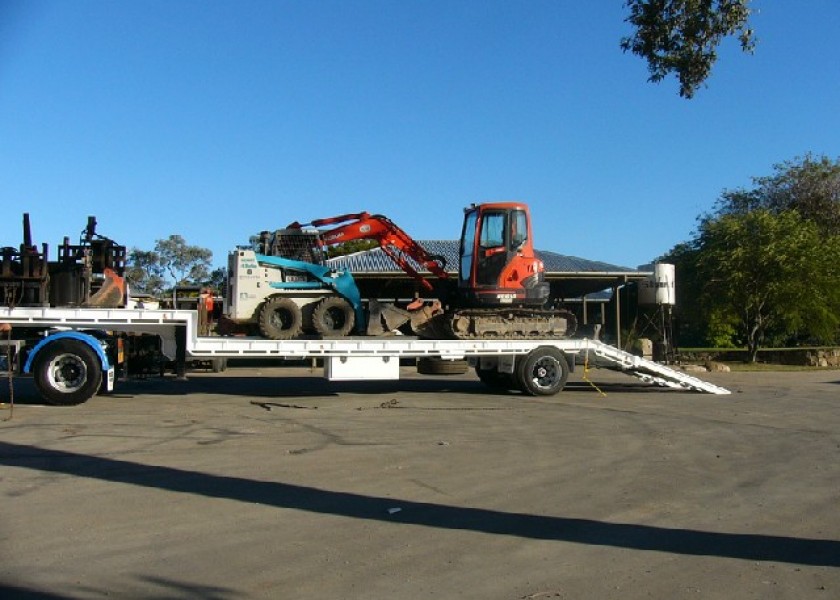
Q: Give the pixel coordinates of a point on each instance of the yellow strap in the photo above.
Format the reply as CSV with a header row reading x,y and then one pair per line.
x,y
586,370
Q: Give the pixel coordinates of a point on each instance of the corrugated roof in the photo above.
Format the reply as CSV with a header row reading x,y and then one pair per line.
x,y
376,261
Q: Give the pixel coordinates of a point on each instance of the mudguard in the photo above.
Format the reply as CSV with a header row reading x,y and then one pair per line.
x,y
87,338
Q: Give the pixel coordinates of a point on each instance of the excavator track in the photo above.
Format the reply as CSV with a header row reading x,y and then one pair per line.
x,y
510,323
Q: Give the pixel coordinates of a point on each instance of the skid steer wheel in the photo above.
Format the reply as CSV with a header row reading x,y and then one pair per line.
x,y
67,372
543,371
280,319
333,317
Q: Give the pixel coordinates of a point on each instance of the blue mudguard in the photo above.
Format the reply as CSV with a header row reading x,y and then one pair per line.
x,y
90,340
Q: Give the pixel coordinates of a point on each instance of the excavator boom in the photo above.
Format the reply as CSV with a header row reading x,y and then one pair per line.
x,y
394,241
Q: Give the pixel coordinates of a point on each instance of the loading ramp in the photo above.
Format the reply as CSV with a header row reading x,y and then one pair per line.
x,y
649,371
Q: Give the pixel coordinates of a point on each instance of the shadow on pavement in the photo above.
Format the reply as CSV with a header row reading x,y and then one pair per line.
x,y
168,589
756,547
26,593
296,386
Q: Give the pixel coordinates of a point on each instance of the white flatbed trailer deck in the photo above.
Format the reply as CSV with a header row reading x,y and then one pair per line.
x,y
350,357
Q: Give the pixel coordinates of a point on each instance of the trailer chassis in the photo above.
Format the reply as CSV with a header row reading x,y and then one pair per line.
x,y
70,360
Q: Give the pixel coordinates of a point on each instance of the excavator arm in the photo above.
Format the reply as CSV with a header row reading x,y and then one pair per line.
x,y
394,241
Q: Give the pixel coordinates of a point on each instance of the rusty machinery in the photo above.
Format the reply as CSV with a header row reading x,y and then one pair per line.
x,y
87,274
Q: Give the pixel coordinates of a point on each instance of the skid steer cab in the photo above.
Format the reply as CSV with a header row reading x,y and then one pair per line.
x,y
70,367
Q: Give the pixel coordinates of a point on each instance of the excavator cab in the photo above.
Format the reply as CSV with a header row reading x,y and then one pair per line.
x,y
498,265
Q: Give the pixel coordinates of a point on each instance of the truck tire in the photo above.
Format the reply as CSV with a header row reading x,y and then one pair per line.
x,y
67,372
333,317
280,319
438,366
543,371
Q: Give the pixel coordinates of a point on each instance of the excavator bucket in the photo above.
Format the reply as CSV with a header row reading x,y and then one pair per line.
x,y
110,295
427,321
385,318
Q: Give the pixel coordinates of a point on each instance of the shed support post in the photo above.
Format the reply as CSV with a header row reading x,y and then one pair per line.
x,y
617,297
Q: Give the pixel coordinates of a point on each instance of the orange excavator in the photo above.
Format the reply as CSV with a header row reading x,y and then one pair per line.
x,y
500,290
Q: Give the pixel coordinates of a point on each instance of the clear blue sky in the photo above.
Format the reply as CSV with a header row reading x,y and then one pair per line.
x,y
217,119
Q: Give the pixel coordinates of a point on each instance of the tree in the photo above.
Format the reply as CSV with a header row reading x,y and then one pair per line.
x,y
763,266
682,36
216,280
185,264
809,185
351,247
768,273
144,272
173,262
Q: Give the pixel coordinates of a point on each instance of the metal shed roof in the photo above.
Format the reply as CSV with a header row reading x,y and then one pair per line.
x,y
575,276
376,261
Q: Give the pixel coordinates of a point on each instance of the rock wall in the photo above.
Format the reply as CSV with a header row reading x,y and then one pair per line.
x,y
807,357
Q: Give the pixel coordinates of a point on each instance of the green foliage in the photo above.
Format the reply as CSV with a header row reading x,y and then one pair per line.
x,y
144,272
172,262
185,264
773,274
808,185
216,280
764,268
682,36
351,247
722,330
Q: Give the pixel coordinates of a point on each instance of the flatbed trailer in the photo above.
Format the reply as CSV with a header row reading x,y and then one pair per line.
x,y
69,352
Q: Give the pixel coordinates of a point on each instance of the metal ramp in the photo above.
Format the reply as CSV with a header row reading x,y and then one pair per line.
x,y
650,371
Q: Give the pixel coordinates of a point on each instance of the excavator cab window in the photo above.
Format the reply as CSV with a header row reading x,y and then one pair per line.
x,y
493,230
494,249
518,229
467,245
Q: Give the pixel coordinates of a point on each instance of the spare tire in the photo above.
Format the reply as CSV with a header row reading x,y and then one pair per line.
x,y
434,365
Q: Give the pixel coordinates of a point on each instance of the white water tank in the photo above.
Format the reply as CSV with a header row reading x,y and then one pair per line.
x,y
660,287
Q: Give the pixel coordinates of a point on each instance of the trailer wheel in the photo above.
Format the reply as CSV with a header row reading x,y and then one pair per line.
x,y
496,380
67,372
280,319
543,372
333,317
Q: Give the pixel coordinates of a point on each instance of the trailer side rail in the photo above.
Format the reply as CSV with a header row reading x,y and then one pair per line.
x,y
166,322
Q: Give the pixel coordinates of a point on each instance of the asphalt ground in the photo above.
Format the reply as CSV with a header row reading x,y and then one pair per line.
x,y
274,483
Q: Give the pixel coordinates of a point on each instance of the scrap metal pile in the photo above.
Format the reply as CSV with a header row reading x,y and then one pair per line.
x,y
87,274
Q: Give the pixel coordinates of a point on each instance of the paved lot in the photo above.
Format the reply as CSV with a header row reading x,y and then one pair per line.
x,y
273,483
